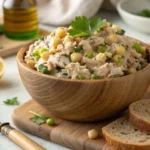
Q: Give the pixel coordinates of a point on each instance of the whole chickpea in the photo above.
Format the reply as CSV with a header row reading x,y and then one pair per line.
x,y
101,57
76,57
45,55
120,50
31,64
60,32
116,27
113,38
132,70
55,41
92,134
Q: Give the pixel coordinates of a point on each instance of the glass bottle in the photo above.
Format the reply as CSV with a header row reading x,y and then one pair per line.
x,y
20,19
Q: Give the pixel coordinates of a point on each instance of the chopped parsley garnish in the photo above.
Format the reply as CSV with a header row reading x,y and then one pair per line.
x,y
119,61
40,119
122,32
102,48
137,47
1,29
44,69
65,74
80,77
115,76
144,13
89,54
13,101
41,38
77,49
82,26
95,77
37,54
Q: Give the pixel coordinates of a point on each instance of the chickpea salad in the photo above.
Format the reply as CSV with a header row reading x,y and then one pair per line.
x,y
88,49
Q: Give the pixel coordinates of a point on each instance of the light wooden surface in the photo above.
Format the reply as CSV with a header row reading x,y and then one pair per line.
x,y
66,133
23,141
12,46
84,100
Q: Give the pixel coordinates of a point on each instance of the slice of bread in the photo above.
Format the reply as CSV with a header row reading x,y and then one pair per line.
x,y
123,136
139,115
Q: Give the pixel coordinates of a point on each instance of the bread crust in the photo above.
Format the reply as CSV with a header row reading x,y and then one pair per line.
x,y
118,145
137,122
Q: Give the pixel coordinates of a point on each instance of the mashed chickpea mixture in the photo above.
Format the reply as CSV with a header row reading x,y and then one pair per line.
x,y
87,52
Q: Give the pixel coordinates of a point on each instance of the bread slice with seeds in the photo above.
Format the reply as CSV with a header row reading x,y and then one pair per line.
x,y
123,136
139,115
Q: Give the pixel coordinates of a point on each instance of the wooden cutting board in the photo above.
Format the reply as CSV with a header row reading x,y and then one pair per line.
x,y
66,133
12,46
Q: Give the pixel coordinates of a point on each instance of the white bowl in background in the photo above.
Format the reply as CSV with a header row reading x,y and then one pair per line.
x,y
128,9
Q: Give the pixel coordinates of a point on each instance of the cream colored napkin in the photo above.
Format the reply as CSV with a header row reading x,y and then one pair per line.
x,y
61,12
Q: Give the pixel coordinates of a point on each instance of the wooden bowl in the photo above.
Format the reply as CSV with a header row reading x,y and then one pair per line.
x,y
85,100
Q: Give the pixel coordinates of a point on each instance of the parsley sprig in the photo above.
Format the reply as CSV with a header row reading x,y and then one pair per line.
x,y
13,101
40,119
82,26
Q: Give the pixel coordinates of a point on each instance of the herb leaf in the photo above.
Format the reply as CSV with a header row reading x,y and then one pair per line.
x,y
1,29
137,47
122,32
37,54
12,101
119,61
96,23
144,13
102,48
82,26
44,69
115,76
77,49
38,118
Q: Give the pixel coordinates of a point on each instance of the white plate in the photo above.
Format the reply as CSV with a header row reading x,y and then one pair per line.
x,y
128,9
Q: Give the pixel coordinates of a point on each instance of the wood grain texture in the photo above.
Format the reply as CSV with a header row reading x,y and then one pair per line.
x,y
12,46
84,100
70,134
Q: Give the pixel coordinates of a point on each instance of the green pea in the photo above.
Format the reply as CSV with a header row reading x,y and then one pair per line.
x,y
119,61
42,50
95,77
77,49
89,54
50,121
137,47
102,48
80,77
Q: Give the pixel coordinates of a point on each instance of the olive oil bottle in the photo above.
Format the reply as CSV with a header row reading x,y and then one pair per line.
x,y
20,19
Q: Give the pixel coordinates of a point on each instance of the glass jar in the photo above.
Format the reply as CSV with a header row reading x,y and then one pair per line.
x,y
20,19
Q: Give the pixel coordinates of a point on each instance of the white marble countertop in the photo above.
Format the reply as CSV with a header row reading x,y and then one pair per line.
x,y
11,86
